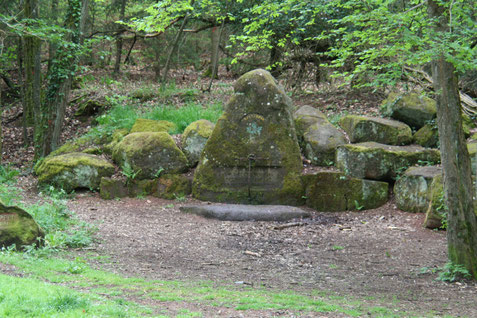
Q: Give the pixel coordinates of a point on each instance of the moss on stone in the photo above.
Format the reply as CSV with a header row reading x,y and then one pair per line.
x,y
376,161
333,191
413,188
18,227
150,152
74,170
173,186
411,108
436,207
386,131
149,125
254,135
427,136
194,138
112,188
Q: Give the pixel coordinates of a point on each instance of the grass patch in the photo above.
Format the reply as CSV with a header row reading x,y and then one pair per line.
x,y
206,293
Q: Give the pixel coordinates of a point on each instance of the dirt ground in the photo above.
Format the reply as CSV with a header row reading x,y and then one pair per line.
x,y
376,254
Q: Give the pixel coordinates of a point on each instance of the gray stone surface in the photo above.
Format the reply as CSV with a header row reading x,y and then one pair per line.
x,y
371,160
239,212
252,155
413,189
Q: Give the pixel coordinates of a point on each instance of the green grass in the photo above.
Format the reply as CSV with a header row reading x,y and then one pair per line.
x,y
186,114
126,109
77,274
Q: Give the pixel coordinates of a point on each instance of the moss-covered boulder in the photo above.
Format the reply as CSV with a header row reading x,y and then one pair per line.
x,y
149,153
173,186
334,191
74,170
384,131
89,108
436,208
412,190
317,137
194,138
427,136
117,136
320,143
18,227
411,108
150,125
307,116
110,188
371,160
252,155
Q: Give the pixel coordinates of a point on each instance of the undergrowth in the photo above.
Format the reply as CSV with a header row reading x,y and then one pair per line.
x,y
62,227
125,110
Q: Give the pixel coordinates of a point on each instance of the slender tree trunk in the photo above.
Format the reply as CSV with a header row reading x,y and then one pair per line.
x,y
52,46
215,58
461,220
59,85
32,71
174,46
83,20
119,39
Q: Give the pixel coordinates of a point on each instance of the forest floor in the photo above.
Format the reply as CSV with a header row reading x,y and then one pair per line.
x,y
382,257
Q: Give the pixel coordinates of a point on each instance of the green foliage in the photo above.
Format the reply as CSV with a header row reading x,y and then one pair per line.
x,y
185,115
62,227
453,272
129,172
8,174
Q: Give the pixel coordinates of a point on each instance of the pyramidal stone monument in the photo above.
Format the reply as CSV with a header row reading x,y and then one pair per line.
x,y
252,156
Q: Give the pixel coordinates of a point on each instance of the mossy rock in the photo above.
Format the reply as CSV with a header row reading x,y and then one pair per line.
x,y
252,155
427,136
120,188
194,138
371,160
317,137
436,207
411,108
74,170
141,188
321,141
413,189
18,227
117,136
472,149
89,108
384,131
150,125
173,186
148,153
333,191
112,188
307,116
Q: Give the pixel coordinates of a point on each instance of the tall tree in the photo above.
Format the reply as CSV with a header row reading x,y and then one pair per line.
x,y
461,220
31,45
119,38
60,77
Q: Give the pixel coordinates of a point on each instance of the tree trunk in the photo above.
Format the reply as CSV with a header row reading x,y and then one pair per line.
x,y
174,46
119,40
215,58
32,71
52,46
47,133
461,220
